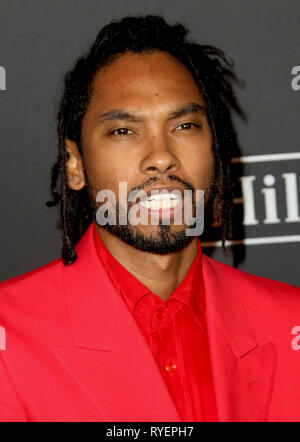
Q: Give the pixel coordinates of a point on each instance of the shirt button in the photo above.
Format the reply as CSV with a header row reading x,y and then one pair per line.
x,y
160,313
170,366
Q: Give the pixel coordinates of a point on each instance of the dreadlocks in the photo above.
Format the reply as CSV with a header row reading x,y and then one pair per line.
x,y
211,72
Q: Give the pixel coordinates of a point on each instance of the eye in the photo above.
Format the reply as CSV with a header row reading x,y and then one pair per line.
x,y
186,126
120,131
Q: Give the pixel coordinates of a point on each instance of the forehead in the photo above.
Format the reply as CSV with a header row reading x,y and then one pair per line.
x,y
141,81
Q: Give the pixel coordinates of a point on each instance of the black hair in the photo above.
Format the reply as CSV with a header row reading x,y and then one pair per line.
x,y
211,72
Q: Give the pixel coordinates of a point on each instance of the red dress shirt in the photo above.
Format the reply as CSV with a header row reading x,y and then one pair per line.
x,y
175,331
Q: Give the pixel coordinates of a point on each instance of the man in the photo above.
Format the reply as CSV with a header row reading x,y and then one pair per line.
x,y
134,322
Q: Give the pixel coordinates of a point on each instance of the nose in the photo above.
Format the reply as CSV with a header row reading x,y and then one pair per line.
x,y
159,159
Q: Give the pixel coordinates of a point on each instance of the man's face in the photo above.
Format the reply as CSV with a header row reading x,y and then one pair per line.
x,y
146,126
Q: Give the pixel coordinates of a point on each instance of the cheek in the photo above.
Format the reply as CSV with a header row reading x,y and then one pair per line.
x,y
203,173
106,170
203,163
200,166
102,175
101,168
210,168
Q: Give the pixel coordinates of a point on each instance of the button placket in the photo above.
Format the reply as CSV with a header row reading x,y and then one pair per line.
x,y
161,312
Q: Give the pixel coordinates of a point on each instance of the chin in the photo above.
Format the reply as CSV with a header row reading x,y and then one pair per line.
x,y
162,240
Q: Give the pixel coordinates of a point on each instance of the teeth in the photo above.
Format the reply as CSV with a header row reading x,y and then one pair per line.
x,y
162,197
159,204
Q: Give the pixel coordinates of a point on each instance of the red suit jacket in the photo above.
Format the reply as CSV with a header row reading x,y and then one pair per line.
x,y
73,352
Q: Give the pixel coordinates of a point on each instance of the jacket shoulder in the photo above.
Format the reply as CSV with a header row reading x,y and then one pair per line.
x,y
265,300
38,277
237,276
35,297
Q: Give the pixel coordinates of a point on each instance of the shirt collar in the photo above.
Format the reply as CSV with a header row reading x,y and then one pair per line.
x,y
189,292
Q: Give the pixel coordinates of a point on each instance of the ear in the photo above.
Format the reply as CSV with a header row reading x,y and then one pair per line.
x,y
74,166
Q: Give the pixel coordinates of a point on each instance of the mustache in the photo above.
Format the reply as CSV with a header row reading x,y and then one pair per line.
x,y
171,178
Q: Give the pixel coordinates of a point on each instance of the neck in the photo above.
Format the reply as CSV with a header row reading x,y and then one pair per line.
x,y
161,274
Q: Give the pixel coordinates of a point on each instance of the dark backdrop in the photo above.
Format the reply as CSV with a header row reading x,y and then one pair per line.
x,y
40,40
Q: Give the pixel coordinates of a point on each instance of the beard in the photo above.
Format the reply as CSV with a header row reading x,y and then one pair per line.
x,y
163,240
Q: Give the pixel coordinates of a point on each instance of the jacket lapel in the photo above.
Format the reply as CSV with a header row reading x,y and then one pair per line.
x,y
109,359
243,370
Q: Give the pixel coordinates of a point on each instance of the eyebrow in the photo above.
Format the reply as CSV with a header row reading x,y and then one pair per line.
x,y
119,114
